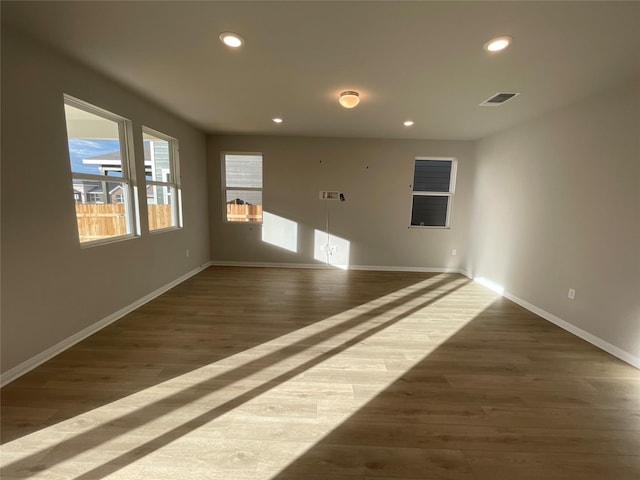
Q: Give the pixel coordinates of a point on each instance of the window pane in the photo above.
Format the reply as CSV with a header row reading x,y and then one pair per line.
x,y
429,211
432,176
161,164
157,161
240,197
161,207
244,206
243,171
101,209
94,143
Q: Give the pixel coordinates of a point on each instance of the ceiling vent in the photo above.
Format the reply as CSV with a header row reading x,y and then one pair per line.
x,y
498,99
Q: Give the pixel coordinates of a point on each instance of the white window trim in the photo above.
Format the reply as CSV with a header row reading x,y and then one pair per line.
x,y
174,165
450,193
225,189
128,175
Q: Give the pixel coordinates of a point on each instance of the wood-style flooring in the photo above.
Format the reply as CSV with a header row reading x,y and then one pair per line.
x,y
260,373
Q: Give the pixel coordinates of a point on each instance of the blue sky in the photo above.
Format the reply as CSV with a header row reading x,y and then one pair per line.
x,y
80,148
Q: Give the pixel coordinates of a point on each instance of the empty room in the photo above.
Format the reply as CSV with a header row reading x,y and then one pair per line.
x,y
320,240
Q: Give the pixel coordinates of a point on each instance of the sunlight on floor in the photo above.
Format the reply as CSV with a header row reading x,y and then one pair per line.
x,y
252,414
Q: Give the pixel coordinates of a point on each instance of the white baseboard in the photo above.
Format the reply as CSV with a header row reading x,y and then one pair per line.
x,y
317,266
323,266
592,339
24,367
386,268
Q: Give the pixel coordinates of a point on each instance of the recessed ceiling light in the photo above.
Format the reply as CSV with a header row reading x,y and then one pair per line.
x,y
349,99
408,123
231,39
497,44
277,120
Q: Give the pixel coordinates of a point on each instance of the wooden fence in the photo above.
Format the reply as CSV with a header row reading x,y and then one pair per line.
x,y
97,221
159,216
244,213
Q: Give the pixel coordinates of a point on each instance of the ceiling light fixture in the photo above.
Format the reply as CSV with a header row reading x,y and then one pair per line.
x,y
408,123
349,99
277,120
497,44
231,39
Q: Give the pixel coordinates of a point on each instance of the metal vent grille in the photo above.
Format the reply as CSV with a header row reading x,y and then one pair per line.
x,y
498,99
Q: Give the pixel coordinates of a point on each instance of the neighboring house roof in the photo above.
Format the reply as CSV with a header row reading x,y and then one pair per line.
x,y
115,156
91,186
87,186
112,160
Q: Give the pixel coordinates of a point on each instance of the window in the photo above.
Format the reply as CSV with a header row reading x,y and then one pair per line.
x,y
163,180
433,187
94,198
99,143
242,182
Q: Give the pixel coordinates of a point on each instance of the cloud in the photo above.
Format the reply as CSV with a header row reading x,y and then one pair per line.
x,y
90,148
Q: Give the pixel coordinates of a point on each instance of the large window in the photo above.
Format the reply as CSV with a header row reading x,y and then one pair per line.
x,y
163,180
99,146
242,185
433,187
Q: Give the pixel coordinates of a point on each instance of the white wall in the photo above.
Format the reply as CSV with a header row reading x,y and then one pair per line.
x,y
375,176
52,288
557,206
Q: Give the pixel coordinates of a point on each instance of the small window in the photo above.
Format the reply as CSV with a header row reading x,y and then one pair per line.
x,y
433,187
242,181
163,180
94,197
98,154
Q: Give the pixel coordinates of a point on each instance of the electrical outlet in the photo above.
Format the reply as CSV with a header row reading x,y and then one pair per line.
x,y
329,249
454,252
186,252
571,294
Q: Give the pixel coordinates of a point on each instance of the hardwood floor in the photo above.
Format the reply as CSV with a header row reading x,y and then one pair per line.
x,y
262,373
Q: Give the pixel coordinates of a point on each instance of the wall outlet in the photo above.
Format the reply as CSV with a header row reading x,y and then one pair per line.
x,y
329,249
454,252
571,294
186,252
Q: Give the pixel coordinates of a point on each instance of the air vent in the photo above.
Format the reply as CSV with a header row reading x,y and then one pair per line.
x,y
498,99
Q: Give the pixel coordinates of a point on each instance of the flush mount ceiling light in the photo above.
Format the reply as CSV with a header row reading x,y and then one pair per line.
x,y
497,44
231,39
277,120
408,123
349,99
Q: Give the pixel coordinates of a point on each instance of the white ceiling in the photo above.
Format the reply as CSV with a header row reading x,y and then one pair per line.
x,y
422,61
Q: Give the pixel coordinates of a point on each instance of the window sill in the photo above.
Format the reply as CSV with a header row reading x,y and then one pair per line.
x,y
105,241
422,227
163,230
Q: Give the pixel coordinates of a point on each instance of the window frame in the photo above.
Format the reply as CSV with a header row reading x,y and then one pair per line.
x,y
127,180
251,189
450,194
174,172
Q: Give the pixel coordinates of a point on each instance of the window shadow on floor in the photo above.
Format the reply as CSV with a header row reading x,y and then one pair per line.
x,y
216,314
508,396
346,290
